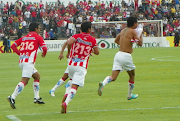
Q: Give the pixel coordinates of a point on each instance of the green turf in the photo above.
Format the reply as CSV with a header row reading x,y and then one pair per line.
x,y
157,83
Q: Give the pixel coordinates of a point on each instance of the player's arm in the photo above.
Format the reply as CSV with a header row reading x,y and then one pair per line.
x,y
140,39
15,45
43,46
96,50
14,48
117,39
62,51
70,41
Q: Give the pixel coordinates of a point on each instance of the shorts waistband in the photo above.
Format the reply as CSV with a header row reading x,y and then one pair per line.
x,y
125,52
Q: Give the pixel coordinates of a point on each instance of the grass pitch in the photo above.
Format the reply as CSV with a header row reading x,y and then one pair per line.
x,y
156,82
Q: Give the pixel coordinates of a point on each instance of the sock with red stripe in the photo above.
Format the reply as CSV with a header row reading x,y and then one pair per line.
x,y
59,83
107,80
71,94
18,89
130,88
68,86
36,89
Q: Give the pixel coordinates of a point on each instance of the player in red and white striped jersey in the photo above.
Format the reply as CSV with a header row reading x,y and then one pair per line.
x,y
29,45
80,47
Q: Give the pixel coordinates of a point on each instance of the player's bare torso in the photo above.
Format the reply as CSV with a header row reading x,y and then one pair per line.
x,y
125,40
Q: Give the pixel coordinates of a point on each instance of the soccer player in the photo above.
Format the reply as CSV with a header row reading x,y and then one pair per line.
x,y
80,47
64,78
123,59
27,56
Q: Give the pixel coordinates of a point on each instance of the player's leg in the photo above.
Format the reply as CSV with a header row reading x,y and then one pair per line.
x,y
59,83
68,87
70,96
27,70
36,87
131,85
78,76
115,72
107,80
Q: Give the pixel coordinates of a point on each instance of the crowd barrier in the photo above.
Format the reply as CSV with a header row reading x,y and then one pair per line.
x,y
56,45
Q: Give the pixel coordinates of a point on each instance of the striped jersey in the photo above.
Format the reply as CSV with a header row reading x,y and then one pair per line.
x,y
29,45
81,49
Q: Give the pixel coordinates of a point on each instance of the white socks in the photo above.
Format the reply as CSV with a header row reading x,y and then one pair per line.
x,y
107,80
59,83
18,90
70,96
68,86
130,88
36,89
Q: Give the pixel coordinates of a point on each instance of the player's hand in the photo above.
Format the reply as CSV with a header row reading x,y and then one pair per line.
x,y
91,54
61,56
67,55
42,56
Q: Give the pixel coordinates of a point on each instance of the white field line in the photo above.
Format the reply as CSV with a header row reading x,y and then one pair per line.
x,y
14,118
164,58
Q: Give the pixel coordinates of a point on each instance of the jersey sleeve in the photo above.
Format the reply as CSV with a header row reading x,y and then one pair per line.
x,y
94,43
18,42
41,42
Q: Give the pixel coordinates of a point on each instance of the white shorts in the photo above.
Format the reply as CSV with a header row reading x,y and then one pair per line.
x,y
28,69
123,61
67,71
77,74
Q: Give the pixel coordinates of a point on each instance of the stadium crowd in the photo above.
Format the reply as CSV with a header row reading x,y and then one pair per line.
x,y
63,21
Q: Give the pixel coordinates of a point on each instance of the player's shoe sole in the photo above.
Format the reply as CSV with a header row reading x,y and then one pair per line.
x,y
134,96
100,89
52,93
38,101
12,102
64,98
63,107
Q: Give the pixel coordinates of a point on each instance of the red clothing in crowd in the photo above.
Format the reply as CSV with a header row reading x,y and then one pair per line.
x,y
18,12
33,13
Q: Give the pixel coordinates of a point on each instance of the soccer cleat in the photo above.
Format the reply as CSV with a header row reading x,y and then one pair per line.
x,y
52,93
64,98
134,96
38,101
100,89
63,107
12,102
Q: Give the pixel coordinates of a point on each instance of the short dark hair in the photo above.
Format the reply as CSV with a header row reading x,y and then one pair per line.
x,y
85,26
131,21
33,26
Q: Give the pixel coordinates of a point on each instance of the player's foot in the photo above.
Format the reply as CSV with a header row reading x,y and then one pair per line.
x,y
63,107
100,89
134,96
38,101
52,93
12,102
64,98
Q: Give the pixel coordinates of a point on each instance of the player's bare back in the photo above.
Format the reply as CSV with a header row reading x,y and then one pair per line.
x,y
125,40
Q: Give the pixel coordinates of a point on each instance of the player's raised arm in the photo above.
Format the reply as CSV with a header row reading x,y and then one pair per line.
x,y
61,56
117,39
140,40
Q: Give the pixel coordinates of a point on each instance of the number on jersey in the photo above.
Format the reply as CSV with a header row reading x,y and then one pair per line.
x,y
27,46
81,48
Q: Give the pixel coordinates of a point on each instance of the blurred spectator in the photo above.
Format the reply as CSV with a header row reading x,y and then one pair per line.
x,y
176,39
19,33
